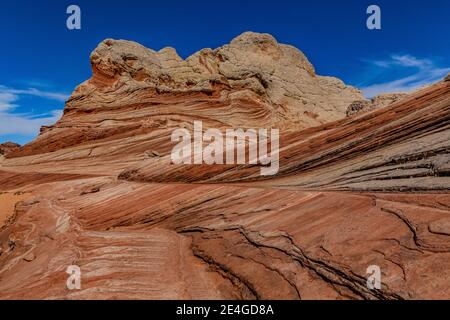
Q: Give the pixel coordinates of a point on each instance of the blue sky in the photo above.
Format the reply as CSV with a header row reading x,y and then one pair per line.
x,y
42,61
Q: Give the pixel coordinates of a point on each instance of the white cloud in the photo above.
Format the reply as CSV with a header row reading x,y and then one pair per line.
x,y
35,92
7,101
411,61
425,72
25,123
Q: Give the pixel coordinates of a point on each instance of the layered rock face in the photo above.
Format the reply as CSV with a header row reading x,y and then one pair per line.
x,y
402,147
251,82
273,73
351,192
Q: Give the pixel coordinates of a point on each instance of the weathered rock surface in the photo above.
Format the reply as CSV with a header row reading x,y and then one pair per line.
x,y
166,241
8,147
275,73
380,101
351,192
402,147
253,81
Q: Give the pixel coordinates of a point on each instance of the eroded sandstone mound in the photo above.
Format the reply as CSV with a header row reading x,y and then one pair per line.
x,y
351,192
277,74
251,82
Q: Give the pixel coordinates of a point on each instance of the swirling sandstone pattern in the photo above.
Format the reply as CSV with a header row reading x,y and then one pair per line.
x,y
371,189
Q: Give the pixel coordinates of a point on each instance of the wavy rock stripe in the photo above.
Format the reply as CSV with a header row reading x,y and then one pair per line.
x,y
101,192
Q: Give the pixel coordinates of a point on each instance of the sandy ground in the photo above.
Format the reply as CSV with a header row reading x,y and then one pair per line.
x,y
7,202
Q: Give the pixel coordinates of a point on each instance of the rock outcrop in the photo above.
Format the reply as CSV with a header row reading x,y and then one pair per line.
x,y
8,147
275,73
380,101
258,82
351,192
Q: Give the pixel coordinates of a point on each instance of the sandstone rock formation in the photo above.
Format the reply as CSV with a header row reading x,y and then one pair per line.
x,y
133,90
8,147
402,147
274,73
380,101
351,192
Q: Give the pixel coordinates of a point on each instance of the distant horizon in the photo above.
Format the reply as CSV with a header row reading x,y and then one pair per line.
x,y
45,61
